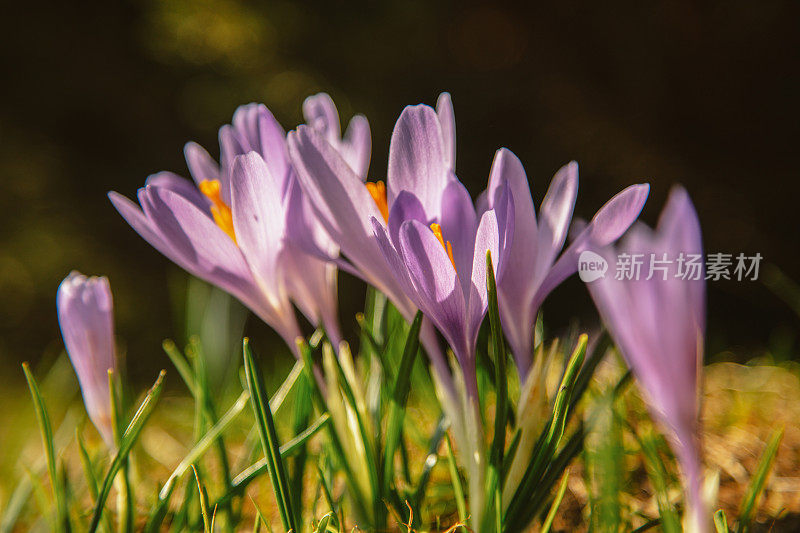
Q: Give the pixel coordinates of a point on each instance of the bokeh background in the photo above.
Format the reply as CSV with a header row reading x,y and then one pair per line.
x,y
96,97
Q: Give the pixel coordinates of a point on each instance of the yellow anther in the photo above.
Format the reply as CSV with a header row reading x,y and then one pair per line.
x,y
378,192
219,209
437,231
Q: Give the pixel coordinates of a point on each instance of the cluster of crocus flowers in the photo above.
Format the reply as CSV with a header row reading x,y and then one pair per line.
x,y
86,317
245,224
276,219
658,325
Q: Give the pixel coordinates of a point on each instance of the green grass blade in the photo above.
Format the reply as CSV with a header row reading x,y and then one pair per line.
x,y
269,437
128,440
397,405
551,514
756,485
501,375
204,443
203,501
49,448
181,365
721,522
458,490
548,444
658,475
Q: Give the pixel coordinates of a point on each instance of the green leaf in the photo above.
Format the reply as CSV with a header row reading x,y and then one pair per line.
x,y
400,392
49,448
126,444
756,485
269,437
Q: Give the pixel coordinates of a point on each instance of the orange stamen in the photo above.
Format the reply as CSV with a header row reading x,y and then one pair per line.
x,y
219,209
437,231
378,192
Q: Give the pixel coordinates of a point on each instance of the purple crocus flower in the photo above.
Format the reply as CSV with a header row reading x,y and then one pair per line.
x,y
86,317
440,262
421,157
658,322
245,226
534,267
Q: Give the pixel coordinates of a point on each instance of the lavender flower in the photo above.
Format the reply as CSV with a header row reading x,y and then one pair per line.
x,y
534,267
86,317
246,226
658,322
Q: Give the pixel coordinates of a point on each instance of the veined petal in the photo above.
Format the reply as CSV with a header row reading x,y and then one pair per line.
x,y
200,245
617,215
339,198
258,219
487,239
417,159
182,186
257,130
436,282
608,224
555,216
459,223
405,207
447,119
134,216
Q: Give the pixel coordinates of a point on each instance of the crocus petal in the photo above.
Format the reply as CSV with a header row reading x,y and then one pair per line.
x,y
182,186
258,219
134,216
405,207
436,283
339,198
202,166
658,325
417,159
617,215
459,222
447,119
608,224
356,146
487,240
85,316
555,216
200,245
320,113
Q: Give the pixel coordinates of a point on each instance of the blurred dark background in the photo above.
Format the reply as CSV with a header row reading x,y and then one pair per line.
x,y
97,97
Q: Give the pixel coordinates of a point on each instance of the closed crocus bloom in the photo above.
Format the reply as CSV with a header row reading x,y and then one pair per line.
x,y
86,318
421,158
536,264
658,322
